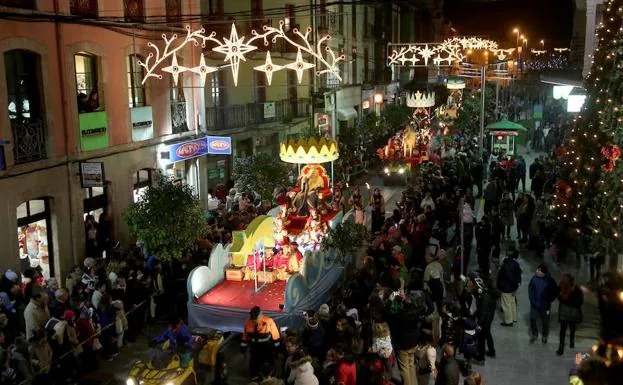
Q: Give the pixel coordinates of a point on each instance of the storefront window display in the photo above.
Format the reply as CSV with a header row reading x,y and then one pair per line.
x,y
34,237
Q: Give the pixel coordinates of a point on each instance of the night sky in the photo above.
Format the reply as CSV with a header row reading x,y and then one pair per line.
x,y
551,20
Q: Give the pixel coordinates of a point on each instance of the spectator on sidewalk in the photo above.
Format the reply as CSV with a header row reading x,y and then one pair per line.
x,y
509,280
542,292
570,300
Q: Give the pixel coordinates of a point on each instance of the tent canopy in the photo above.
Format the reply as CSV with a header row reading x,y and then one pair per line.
x,y
506,124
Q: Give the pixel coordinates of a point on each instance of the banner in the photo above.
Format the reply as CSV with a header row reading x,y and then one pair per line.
x,y
217,145
93,130
142,123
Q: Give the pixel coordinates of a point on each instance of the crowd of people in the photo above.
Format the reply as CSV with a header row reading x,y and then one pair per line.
x,y
415,312
52,334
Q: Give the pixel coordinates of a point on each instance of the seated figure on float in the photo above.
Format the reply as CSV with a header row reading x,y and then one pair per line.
x,y
281,222
255,262
287,261
313,232
311,187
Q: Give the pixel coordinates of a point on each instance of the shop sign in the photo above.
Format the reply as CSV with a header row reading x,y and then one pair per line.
x,y
269,110
92,174
219,145
188,150
93,130
142,123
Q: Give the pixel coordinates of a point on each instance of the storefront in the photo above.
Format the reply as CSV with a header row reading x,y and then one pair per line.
x,y
181,161
34,236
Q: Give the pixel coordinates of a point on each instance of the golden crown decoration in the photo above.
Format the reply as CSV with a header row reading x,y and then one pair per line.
x,y
306,151
420,99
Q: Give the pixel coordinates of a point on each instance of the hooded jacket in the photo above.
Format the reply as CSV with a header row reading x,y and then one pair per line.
x,y
302,372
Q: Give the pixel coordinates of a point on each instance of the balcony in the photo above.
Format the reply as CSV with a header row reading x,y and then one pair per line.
x,y
330,23
29,140
242,115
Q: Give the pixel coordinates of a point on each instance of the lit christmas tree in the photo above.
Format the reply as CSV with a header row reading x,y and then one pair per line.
x,y
589,192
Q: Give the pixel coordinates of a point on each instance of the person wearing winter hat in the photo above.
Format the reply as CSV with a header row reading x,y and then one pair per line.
x,y
9,278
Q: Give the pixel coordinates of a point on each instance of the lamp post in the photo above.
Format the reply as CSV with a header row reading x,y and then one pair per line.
x,y
516,32
378,100
542,44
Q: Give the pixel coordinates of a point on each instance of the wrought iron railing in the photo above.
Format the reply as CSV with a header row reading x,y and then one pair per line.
x,y
179,121
241,115
29,140
84,8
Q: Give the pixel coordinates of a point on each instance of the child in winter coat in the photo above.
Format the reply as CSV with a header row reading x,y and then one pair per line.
x,y
302,371
381,340
121,322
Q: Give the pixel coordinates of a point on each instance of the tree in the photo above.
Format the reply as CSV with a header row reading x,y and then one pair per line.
x,y
346,238
168,219
394,117
261,173
468,119
588,194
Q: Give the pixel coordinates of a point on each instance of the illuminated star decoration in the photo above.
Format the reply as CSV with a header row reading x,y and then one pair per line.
x,y
426,53
174,69
234,49
268,68
299,66
203,70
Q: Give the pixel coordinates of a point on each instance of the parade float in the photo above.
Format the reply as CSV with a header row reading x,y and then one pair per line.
x,y
276,262
409,146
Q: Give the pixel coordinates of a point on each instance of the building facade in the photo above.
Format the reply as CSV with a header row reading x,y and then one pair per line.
x,y
72,106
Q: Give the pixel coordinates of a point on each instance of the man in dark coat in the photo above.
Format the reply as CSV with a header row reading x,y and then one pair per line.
x,y
487,303
542,292
483,245
509,280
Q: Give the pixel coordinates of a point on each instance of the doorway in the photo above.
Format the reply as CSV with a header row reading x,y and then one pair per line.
x,y
34,236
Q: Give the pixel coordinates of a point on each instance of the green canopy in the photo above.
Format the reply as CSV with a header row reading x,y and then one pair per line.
x,y
506,124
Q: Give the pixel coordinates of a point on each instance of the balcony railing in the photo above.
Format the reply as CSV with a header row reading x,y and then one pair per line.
x,y
84,8
329,22
241,115
29,140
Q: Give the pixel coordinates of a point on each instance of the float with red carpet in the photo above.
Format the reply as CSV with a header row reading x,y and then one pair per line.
x,y
276,262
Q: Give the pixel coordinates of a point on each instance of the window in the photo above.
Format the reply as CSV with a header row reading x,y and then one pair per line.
x,y
86,82
23,80
174,11
134,11
135,77
142,180
260,86
257,13
217,87
25,4
366,58
289,19
365,22
84,8
354,20
340,18
354,66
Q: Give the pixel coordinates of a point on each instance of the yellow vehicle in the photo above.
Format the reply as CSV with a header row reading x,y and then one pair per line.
x,y
164,369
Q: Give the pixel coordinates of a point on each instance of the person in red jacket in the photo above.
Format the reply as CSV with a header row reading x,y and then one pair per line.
x,y
261,336
346,367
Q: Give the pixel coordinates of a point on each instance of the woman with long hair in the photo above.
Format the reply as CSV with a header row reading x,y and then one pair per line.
x,y
570,300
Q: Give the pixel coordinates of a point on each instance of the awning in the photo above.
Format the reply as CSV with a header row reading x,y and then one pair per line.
x,y
346,113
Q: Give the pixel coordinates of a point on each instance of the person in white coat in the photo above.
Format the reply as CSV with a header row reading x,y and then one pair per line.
x,y
302,372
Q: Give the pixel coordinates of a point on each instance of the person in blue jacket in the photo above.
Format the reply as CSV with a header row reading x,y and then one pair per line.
x,y
542,291
180,339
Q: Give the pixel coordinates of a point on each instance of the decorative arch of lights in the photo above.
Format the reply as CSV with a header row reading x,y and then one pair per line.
x,y
446,53
235,49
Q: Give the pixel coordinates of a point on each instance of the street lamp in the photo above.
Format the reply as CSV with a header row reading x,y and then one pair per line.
x,y
378,100
542,43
